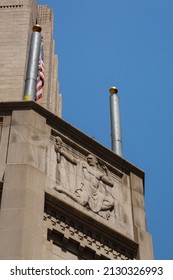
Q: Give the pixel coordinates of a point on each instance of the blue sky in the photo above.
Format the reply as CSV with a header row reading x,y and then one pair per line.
x,y
127,43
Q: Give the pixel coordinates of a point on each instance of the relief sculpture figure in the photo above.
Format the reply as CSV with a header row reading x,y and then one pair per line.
x,y
65,165
92,185
60,152
92,191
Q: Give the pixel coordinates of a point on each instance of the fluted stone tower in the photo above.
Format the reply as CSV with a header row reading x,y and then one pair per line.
x,y
62,194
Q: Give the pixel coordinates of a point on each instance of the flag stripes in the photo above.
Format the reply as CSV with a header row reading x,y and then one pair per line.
x,y
40,77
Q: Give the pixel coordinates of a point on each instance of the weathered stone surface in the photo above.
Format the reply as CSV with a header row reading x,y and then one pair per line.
x,y
145,250
28,139
21,212
138,204
10,244
137,184
4,139
14,46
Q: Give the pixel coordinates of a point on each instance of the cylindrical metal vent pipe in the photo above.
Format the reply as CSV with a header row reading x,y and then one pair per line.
x,y
33,61
116,138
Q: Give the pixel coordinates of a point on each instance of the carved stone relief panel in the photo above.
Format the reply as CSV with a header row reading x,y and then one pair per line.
x,y
85,180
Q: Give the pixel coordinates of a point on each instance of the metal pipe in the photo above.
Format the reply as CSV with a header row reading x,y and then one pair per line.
x,y
116,138
33,61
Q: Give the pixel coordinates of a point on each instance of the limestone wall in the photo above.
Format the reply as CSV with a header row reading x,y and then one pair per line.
x,y
16,19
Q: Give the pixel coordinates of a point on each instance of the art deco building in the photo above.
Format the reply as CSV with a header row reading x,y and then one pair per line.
x,y
62,194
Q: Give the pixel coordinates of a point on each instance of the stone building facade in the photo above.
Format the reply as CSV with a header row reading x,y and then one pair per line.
x,y
62,194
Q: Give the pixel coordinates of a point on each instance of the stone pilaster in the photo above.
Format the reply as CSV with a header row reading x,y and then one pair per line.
x,y
22,205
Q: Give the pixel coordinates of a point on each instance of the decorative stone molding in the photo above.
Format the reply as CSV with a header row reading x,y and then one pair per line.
x,y
11,6
62,231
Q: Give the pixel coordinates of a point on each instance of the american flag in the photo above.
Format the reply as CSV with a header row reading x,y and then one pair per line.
x,y
40,77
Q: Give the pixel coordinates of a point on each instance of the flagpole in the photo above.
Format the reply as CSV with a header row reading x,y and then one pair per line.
x,y
116,137
33,60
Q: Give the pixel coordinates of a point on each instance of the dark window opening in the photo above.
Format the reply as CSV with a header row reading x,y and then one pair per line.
x,y
72,246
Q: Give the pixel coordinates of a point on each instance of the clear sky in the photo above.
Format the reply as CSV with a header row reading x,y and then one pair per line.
x,y
127,43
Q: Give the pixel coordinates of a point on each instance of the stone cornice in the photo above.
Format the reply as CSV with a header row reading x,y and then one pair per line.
x,y
6,108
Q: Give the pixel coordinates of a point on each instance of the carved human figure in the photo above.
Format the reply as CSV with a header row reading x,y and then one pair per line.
x,y
60,152
91,190
65,165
